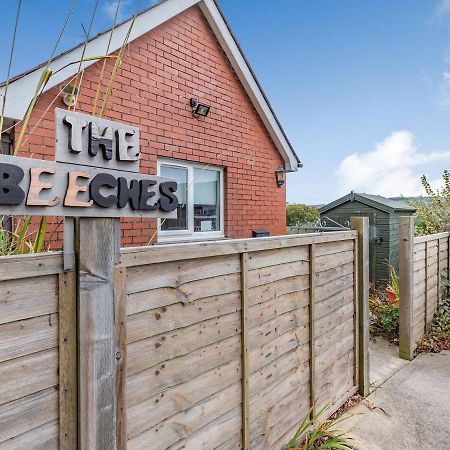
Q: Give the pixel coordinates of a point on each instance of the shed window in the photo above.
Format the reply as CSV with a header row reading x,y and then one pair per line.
x,y
200,193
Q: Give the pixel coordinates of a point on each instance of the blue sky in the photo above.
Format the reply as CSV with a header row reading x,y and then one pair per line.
x,y
361,88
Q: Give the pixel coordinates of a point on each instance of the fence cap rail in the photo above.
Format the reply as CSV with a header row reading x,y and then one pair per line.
x,y
14,267
135,256
431,237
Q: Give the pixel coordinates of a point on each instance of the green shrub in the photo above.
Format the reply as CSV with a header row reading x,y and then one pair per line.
x,y
388,317
384,310
433,214
299,214
438,336
315,434
441,321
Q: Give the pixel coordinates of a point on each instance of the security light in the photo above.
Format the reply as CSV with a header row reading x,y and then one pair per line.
x,y
70,95
280,174
199,109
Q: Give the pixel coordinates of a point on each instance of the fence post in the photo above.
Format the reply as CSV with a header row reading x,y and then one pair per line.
x,y
312,332
425,326
97,247
120,312
68,402
406,307
244,353
447,229
361,225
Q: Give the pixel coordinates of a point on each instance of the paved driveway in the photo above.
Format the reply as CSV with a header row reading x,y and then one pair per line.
x,y
412,409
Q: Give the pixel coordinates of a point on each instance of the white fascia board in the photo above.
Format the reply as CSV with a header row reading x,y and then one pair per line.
x,y
21,91
231,49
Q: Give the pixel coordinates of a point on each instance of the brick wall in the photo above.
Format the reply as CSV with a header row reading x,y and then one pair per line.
x,y
160,72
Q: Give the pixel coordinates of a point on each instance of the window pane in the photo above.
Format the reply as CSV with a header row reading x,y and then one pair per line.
x,y
206,200
180,175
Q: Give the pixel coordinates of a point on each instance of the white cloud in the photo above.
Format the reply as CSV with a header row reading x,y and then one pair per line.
x,y
392,168
126,8
443,7
110,8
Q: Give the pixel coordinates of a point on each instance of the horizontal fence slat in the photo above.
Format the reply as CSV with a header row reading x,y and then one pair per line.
x,y
24,337
137,256
27,298
44,437
30,265
28,413
28,374
431,237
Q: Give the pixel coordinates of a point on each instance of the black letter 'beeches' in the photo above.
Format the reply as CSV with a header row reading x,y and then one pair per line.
x,y
100,180
168,201
99,140
147,195
10,177
128,193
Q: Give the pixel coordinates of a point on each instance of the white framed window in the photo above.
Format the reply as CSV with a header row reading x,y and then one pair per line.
x,y
200,194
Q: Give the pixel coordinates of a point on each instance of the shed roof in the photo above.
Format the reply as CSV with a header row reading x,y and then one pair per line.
x,y
376,201
22,87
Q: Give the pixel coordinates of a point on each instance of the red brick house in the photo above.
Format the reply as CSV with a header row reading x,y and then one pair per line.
x,y
225,163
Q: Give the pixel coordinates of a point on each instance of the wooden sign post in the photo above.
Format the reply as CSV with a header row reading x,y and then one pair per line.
x,y
97,249
96,179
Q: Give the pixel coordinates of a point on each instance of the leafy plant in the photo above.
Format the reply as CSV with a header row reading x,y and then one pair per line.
x,y
394,283
433,213
299,214
389,317
22,239
313,433
384,305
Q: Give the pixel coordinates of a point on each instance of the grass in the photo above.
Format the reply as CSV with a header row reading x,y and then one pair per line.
x,y
315,433
22,239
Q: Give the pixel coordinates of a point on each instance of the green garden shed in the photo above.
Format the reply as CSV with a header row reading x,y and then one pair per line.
x,y
383,214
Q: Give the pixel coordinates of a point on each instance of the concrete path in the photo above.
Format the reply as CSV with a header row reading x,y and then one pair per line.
x,y
384,361
410,411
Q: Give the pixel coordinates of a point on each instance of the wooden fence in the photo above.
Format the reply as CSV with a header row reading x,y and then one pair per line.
x,y
217,345
424,260
37,353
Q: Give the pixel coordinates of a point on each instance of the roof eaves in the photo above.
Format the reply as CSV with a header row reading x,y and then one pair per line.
x,y
353,196
335,203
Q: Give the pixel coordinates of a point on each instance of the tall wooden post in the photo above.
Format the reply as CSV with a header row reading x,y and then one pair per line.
x,y
406,307
447,229
361,225
97,245
244,353
312,329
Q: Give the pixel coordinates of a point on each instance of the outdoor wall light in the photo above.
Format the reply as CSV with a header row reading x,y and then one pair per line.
x,y
199,109
280,173
70,95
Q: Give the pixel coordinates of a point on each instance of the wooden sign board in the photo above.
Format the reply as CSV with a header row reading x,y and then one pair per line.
x,y
96,174
95,142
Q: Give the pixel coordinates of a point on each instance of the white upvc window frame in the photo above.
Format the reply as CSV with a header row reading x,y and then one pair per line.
x,y
190,234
